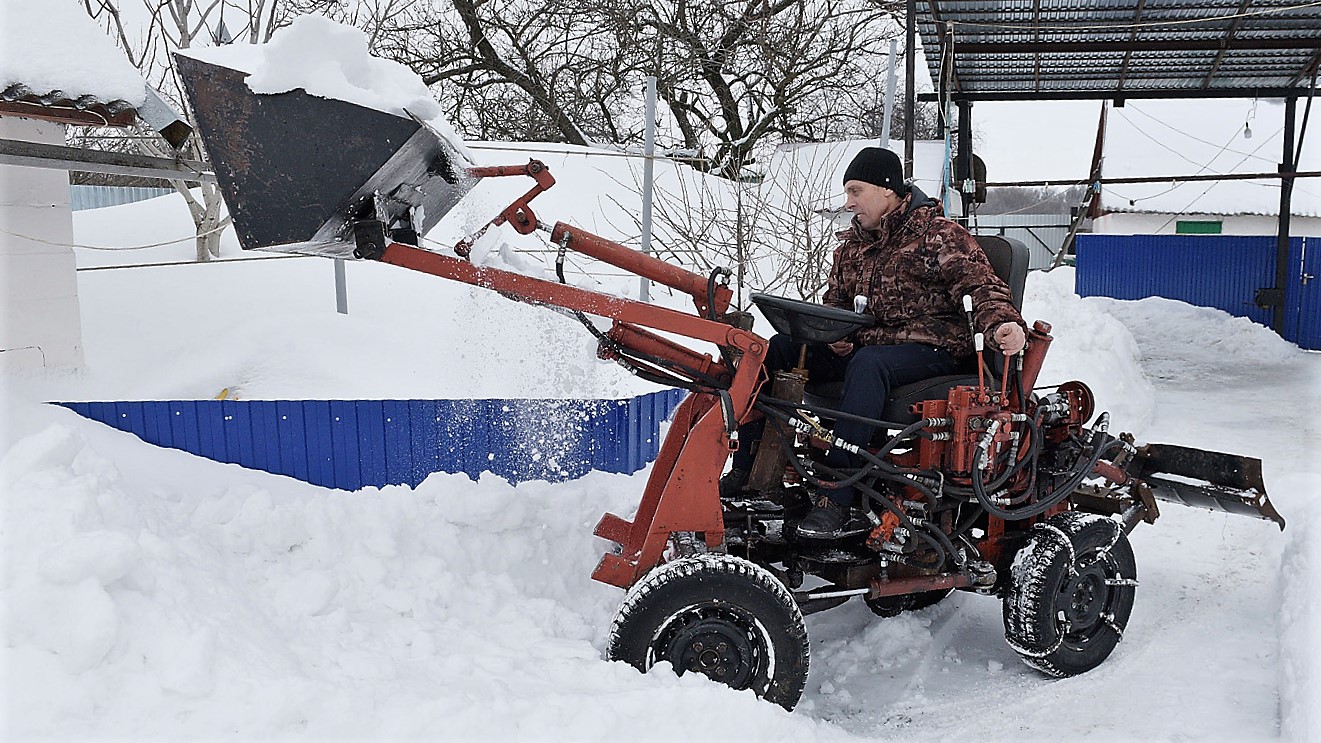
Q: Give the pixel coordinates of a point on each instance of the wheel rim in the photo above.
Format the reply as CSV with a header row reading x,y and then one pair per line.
x,y
1086,601
717,641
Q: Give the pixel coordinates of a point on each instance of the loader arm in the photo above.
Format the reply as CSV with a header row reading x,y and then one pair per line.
x,y
680,493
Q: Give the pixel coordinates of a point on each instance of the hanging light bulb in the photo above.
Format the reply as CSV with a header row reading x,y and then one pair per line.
x,y
1247,130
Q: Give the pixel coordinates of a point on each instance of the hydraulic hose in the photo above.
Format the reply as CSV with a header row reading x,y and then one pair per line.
x,y
1057,495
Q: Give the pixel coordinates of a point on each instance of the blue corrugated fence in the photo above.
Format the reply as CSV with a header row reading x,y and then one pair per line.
x,y
1221,271
351,444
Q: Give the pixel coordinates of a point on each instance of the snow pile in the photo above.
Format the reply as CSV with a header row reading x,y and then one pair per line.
x,y
51,45
153,594
1300,615
1162,324
1091,346
331,60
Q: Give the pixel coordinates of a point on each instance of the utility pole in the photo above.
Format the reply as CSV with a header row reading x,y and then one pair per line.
x,y
648,169
910,92
889,95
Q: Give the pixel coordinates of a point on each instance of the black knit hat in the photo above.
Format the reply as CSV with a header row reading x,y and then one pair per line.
x,y
879,167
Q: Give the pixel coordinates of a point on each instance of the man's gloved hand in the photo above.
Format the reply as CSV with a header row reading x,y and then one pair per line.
x,y
842,348
1009,337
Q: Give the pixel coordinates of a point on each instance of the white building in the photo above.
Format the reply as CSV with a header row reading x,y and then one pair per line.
x,y
57,69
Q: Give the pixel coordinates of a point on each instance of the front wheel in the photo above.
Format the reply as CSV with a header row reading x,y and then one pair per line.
x,y
718,615
1070,593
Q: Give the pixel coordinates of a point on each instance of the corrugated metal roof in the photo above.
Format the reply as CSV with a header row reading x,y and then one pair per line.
x,y
1076,49
56,105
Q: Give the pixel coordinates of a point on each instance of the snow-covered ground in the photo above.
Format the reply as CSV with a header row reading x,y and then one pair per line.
x,y
152,594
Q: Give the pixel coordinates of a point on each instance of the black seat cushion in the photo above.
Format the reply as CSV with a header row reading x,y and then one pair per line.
x,y
902,398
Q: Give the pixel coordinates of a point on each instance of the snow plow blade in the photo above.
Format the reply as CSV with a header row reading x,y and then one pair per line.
x,y
1205,479
300,173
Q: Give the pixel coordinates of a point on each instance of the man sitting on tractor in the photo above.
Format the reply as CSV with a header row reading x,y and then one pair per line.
x,y
913,266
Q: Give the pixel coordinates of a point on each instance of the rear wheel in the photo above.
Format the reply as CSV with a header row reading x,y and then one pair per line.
x,y
718,615
1070,594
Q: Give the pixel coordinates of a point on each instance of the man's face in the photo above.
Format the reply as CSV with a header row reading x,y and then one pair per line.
x,y
869,202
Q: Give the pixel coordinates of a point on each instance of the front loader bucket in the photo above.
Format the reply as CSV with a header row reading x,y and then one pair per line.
x,y
298,171
1205,479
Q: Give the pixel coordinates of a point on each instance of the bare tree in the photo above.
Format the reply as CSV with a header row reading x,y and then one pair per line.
x,y
173,25
732,74
776,230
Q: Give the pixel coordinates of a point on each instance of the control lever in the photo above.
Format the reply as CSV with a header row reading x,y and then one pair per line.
x,y
979,343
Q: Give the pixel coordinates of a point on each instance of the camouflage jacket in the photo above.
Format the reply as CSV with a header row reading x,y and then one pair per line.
x,y
914,270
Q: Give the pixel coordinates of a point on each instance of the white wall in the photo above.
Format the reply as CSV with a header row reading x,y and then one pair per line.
x,y
39,322
1122,223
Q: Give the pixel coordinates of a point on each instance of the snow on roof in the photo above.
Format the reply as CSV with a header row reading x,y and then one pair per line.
x,y
1164,138
53,45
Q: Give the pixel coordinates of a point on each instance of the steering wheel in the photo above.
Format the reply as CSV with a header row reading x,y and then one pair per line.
x,y
808,322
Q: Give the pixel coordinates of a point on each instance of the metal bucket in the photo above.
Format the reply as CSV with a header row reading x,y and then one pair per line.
x,y
297,170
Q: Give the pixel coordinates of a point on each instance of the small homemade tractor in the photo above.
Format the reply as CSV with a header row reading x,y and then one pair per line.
x,y
983,483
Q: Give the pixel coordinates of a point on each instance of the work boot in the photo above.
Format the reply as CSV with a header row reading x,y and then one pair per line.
x,y
824,521
733,483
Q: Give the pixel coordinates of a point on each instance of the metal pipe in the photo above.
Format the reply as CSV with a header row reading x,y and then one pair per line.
x,y
1287,165
648,171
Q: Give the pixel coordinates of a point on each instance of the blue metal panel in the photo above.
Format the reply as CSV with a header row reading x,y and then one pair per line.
x,y
371,443
292,437
156,415
240,427
1307,304
266,436
133,418
344,443
234,436
351,444
398,446
210,430
424,426
186,417
1222,271
320,451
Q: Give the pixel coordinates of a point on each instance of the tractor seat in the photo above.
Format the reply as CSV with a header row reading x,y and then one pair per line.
x,y
1009,260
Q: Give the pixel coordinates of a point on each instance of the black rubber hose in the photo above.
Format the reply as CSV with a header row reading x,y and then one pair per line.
x,y
832,413
1057,496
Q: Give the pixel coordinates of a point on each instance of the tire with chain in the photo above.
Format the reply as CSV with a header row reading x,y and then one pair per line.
x,y
718,615
1070,593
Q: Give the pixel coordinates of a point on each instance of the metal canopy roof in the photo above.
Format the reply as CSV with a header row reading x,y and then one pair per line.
x,y
1088,49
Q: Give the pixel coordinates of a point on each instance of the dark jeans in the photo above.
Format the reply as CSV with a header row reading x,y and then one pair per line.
x,y
869,373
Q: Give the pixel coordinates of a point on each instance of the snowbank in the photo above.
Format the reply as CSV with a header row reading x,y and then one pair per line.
x,y
51,45
1300,616
1092,346
153,594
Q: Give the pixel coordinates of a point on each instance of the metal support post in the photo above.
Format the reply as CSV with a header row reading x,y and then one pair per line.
x,y
910,89
341,288
648,170
1287,165
889,95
